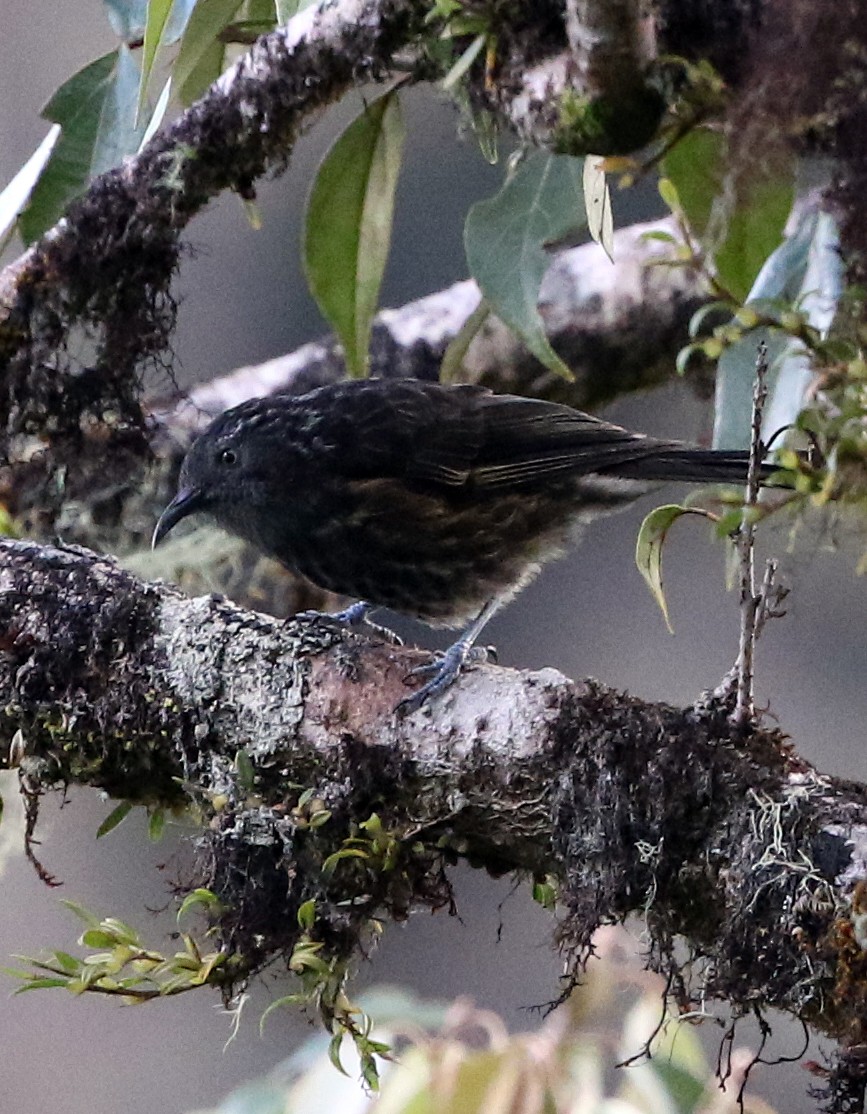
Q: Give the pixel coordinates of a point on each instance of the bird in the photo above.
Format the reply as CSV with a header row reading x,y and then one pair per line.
x,y
438,501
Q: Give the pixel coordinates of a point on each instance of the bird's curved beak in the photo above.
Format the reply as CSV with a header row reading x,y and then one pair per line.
x,y
187,501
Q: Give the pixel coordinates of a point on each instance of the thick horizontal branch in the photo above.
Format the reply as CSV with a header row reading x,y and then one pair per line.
x,y
106,268
618,326
732,842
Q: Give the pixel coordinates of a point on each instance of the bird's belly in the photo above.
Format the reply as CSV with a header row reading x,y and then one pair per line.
x,y
436,559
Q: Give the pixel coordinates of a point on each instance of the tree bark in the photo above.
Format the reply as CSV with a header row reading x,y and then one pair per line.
x,y
729,840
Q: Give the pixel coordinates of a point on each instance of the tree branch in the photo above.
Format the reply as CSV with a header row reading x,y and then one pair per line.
x,y
732,842
105,270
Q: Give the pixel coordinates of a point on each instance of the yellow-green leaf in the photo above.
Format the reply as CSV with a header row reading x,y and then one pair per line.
x,y
155,26
648,549
115,817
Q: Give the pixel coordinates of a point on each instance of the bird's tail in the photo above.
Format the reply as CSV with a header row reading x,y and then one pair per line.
x,y
693,465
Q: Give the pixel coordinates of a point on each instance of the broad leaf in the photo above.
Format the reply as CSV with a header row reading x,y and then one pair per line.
x,y
805,269
348,224
695,166
506,238
739,218
753,229
96,112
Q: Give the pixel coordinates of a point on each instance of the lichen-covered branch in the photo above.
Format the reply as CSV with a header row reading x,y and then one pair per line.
x,y
103,274
731,842
106,268
617,325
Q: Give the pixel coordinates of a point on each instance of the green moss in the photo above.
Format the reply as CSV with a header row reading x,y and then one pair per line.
x,y
605,126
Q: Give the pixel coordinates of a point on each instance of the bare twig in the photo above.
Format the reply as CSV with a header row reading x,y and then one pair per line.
x,y
751,602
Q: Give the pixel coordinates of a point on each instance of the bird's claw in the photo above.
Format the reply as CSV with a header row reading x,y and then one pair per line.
x,y
444,669
354,616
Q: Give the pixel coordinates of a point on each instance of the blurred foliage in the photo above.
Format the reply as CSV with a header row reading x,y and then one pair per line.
x,y
459,1059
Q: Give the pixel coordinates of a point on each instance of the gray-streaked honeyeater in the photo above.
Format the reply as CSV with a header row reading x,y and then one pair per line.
x,y
438,501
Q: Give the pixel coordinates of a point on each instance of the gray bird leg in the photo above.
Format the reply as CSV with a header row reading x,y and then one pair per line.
x,y
447,667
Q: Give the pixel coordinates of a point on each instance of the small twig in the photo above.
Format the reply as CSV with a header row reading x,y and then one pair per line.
x,y
751,602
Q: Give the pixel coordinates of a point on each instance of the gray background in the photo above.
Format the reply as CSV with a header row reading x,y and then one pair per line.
x,y
243,300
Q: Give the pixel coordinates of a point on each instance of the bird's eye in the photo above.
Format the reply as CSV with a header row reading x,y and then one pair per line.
x,y
228,456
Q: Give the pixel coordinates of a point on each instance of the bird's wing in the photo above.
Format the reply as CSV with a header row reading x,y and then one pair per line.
x,y
517,442
459,436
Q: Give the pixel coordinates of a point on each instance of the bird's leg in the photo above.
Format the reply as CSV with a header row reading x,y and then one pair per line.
x,y
446,667
354,616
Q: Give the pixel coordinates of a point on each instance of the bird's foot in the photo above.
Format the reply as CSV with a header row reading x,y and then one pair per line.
x,y
445,669
354,616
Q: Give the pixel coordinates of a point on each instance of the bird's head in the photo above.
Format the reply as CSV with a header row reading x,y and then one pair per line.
x,y
221,476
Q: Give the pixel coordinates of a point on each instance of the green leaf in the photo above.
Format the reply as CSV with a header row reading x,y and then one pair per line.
x,y
328,867
245,771
287,8
453,357
68,962
80,912
279,1004
506,238
648,549
307,914
334,1052
695,168
96,111
261,14
753,230
668,193
155,26
464,62
201,55
682,1086
14,198
545,893
98,938
207,899
739,217
115,817
156,825
40,984
597,200
348,224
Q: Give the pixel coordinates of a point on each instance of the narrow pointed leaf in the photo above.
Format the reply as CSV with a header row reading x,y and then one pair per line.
x,y
506,238
16,195
597,199
348,224
648,549
201,55
155,26
156,117
115,817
